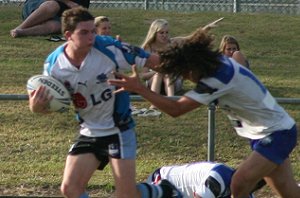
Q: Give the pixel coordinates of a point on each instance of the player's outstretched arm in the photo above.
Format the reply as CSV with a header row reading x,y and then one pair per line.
x,y
180,39
172,107
212,24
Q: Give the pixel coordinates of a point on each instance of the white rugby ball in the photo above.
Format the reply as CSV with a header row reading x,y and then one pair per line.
x,y
61,97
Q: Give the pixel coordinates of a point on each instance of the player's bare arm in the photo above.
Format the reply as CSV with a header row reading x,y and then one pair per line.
x,y
212,24
172,107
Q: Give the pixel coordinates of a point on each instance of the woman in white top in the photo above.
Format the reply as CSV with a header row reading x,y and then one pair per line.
x,y
158,39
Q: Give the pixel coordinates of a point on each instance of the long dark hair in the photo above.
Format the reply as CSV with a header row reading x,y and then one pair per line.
x,y
193,53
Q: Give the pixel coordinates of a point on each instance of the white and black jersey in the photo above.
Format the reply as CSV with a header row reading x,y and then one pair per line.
x,y
206,179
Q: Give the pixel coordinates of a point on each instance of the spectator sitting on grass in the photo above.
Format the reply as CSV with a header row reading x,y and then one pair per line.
x,y
230,47
103,26
42,17
158,39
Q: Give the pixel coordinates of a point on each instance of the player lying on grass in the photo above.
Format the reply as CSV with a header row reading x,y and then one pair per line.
x,y
199,179
253,111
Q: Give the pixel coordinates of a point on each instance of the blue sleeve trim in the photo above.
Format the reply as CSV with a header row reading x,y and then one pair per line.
x,y
225,72
249,74
51,59
130,52
101,43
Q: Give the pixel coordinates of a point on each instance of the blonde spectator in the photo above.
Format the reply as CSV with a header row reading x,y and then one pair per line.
x,y
103,25
158,39
230,47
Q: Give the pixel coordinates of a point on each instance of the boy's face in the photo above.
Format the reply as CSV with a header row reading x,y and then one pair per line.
x,y
104,28
83,36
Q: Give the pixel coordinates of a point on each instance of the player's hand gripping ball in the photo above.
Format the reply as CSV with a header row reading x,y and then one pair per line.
x,y
61,97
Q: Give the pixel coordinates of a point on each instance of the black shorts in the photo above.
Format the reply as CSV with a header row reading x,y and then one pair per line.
x,y
32,5
119,146
63,7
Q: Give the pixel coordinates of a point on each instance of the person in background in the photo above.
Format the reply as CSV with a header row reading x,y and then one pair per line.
x,y
106,135
230,47
158,39
250,107
199,179
42,17
103,27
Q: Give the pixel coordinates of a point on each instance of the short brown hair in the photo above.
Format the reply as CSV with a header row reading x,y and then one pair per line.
x,y
71,17
101,19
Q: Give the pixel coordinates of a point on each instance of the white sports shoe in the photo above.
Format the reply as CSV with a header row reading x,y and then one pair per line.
x,y
149,113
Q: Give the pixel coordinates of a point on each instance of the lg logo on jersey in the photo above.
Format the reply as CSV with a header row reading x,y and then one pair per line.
x,y
105,96
79,100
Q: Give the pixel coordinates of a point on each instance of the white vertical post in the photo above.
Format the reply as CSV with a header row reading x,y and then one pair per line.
x,y
146,5
211,132
235,6
298,10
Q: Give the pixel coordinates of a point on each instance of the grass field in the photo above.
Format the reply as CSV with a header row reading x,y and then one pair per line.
x,y
33,147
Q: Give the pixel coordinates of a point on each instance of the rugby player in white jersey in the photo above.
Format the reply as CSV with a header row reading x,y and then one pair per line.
x,y
84,64
253,111
199,179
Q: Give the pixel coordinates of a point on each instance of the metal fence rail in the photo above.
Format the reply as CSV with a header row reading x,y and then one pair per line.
x,y
291,7
139,98
211,116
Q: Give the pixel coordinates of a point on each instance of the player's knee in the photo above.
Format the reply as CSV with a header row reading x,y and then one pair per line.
x,y
64,190
51,6
70,190
241,184
235,187
54,26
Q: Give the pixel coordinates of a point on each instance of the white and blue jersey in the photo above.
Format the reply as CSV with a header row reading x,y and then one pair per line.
x,y
100,112
206,179
252,110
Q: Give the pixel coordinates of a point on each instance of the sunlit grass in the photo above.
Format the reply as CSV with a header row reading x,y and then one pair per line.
x,y
33,147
